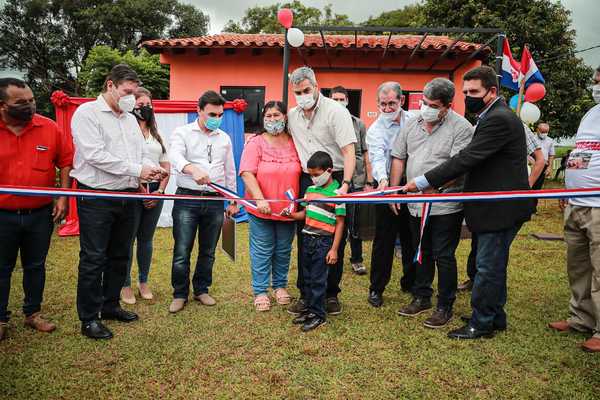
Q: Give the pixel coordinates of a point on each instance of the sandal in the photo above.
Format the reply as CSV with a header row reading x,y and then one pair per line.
x,y
262,303
282,296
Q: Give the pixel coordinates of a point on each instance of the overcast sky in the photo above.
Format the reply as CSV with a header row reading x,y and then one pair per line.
x,y
585,15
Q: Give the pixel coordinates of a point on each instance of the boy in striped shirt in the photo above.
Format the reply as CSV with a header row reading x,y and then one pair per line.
x,y
322,234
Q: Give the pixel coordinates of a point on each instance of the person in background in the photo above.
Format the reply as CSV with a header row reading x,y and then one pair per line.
x,y
362,180
582,230
269,167
109,155
323,231
32,147
319,123
149,210
547,145
380,139
202,154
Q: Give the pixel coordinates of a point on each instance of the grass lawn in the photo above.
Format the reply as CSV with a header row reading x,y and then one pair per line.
x,y
230,351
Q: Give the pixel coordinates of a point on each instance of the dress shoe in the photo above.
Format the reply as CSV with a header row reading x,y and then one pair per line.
x,y
468,332
119,314
3,330
561,326
37,322
95,330
497,327
438,319
417,306
205,299
465,286
127,295
375,299
592,345
313,323
298,308
177,305
333,306
302,318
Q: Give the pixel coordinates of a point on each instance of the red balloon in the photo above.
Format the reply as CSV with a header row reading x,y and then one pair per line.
x,y
535,92
285,17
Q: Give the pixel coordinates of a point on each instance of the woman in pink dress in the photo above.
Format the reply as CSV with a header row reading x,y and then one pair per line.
x,y
269,167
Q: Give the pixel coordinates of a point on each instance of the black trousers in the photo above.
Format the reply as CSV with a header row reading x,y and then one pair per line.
x,y
472,262
389,226
106,232
334,274
539,183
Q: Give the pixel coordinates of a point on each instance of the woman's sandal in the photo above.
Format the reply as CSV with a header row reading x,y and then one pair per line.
x,y
282,297
262,303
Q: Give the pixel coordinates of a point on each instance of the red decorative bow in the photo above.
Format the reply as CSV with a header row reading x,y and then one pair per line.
x,y
239,105
59,98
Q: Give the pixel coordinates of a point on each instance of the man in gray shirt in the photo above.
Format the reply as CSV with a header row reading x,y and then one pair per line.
x,y
425,142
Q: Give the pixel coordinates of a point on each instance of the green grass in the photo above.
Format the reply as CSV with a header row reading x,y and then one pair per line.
x,y
230,351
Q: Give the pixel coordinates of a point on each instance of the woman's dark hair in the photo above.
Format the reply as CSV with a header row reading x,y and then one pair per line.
x,y
140,92
119,74
320,160
279,106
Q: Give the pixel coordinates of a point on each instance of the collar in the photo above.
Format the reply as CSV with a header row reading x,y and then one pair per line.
x,y
482,114
36,121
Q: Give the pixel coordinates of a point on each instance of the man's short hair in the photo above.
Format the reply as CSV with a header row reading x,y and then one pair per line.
x,y
487,76
6,82
390,85
441,89
210,97
339,89
121,73
320,160
302,73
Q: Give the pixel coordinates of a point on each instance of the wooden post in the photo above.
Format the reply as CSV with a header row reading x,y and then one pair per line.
x,y
521,86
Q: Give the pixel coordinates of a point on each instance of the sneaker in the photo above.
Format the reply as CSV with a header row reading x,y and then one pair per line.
x,y
298,308
302,318
177,305
205,299
333,306
359,269
127,295
313,323
438,319
416,307
37,322
3,330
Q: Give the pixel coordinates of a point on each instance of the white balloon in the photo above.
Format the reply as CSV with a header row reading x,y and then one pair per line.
x,y
530,113
295,37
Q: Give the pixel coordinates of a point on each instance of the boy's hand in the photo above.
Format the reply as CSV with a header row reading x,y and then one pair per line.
x,y
331,257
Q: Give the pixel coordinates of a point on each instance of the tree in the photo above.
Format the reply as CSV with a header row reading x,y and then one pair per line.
x,y
409,16
545,27
49,39
263,19
154,76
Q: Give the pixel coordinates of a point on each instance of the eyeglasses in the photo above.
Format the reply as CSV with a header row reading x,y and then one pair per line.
x,y
209,153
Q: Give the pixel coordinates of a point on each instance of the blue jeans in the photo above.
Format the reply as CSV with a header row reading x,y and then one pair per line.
x,y
270,249
145,226
30,235
489,289
189,217
315,270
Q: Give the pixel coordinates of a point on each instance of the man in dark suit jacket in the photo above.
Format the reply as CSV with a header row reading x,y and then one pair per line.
x,y
495,160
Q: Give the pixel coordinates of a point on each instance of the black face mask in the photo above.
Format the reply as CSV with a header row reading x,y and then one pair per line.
x,y
144,113
475,104
22,112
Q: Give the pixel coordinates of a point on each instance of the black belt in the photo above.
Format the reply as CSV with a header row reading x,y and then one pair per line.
x,y
192,192
26,211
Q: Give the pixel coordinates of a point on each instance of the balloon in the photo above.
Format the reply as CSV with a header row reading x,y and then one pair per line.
x,y
295,37
530,113
535,92
285,17
514,102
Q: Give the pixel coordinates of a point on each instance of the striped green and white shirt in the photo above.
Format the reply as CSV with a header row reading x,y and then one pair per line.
x,y
321,217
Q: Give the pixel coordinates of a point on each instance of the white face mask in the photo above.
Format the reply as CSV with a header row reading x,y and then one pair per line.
x,y
126,103
305,101
390,116
430,114
596,93
542,135
322,179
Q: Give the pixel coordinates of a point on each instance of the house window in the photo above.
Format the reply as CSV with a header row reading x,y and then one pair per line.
x,y
255,97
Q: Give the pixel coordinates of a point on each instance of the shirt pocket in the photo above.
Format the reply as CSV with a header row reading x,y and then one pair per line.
x,y
43,158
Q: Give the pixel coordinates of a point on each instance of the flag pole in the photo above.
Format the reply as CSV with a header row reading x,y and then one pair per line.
x,y
521,86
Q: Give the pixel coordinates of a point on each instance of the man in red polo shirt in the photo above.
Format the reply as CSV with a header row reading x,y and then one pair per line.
x,y
31,148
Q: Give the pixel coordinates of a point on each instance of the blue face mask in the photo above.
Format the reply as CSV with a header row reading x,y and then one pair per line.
x,y
213,123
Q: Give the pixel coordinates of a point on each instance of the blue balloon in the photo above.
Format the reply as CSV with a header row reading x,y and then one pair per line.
x,y
514,102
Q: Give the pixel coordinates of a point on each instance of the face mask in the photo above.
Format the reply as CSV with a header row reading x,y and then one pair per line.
x,y
429,114
305,101
475,104
344,103
542,135
322,179
143,113
390,116
23,112
212,123
596,93
274,127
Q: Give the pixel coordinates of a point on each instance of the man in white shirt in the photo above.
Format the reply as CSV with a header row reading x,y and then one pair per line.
x,y
201,154
108,156
380,139
547,146
582,229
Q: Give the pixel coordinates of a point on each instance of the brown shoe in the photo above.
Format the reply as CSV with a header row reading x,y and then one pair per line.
x,y
3,330
438,319
592,345
561,326
416,307
205,299
177,305
37,322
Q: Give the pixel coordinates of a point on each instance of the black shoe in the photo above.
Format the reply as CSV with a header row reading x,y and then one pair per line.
x,y
119,314
375,299
438,319
333,306
468,332
298,308
416,307
497,327
95,330
302,318
465,286
313,323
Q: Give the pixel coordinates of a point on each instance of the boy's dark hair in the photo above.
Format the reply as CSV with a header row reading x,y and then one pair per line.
x,y
6,82
340,89
210,97
487,76
119,74
320,160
